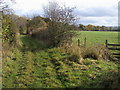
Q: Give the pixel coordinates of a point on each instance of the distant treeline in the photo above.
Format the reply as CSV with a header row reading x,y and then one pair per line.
x,y
107,30
102,30
91,27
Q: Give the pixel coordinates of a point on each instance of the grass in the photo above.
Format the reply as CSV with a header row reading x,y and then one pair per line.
x,y
35,65
32,43
96,37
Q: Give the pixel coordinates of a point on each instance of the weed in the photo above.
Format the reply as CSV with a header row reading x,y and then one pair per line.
x,y
95,52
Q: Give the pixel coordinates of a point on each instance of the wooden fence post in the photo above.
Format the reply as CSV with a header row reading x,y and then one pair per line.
x,y
106,44
78,42
85,42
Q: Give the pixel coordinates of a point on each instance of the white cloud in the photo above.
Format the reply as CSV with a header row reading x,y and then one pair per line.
x,y
96,12
108,21
26,6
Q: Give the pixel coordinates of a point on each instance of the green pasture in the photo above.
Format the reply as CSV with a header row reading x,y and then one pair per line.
x,y
96,37
36,66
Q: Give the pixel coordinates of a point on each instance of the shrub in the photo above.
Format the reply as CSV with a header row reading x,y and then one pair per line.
x,y
95,52
61,17
90,53
10,32
73,50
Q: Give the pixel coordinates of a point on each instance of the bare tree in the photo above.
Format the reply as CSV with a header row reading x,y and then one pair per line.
x,y
4,6
59,13
61,18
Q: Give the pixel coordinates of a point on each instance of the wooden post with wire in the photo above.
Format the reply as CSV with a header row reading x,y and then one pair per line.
x,y
85,42
106,44
78,42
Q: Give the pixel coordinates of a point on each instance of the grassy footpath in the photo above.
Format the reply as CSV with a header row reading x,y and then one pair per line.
x,y
96,37
37,66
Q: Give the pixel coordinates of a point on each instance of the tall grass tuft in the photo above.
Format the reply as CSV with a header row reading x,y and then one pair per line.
x,y
73,50
95,52
78,54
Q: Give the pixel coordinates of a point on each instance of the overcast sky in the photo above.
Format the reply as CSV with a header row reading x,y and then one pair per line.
x,y
96,12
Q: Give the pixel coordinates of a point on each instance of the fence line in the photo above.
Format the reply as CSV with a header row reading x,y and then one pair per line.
x,y
114,47
116,55
113,44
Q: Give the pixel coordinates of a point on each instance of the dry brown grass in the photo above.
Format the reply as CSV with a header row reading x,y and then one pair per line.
x,y
73,50
95,52
78,54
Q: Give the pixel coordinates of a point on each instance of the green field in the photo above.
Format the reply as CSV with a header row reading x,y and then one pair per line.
x,y
96,37
37,66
